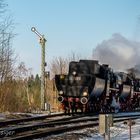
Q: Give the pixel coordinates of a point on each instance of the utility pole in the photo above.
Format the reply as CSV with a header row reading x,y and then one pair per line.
x,y
42,41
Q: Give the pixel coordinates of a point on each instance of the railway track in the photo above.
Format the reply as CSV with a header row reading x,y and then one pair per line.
x,y
28,119
56,126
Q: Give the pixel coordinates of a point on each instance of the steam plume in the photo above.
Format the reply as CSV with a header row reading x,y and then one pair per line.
x,y
119,52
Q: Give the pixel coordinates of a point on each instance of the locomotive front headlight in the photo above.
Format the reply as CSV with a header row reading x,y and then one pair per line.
x,y
85,93
74,73
61,92
62,76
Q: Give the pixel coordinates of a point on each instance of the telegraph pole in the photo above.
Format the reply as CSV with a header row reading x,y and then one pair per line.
x,y
42,41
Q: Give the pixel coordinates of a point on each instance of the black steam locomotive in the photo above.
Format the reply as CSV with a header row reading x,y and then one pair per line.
x,y
91,87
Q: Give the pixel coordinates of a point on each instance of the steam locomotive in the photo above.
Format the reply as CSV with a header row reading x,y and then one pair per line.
x,y
92,87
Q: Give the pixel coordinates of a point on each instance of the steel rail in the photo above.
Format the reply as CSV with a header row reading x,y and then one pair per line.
x,y
15,121
36,133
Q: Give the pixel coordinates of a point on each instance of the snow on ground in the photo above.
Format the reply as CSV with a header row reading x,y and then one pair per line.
x,y
16,115
119,131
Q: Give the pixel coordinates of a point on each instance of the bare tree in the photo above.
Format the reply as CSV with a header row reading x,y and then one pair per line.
x,y
7,57
2,7
60,65
74,57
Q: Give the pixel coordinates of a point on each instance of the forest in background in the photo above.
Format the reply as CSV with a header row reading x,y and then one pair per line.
x,y
20,90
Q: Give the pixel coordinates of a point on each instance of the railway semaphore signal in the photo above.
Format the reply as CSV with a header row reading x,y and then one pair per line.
x,y
42,41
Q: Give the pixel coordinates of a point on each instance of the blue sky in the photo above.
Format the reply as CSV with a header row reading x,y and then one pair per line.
x,y
69,26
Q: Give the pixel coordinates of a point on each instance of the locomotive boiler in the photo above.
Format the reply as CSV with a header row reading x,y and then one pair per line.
x,y
90,86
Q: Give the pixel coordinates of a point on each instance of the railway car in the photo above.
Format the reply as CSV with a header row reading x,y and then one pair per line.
x,y
91,87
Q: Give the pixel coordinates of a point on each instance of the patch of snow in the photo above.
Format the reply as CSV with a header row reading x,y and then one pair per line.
x,y
124,113
119,132
2,116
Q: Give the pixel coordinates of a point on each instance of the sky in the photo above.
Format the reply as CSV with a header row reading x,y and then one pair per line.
x,y
69,26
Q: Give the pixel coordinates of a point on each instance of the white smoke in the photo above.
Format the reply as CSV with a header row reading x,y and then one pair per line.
x,y
119,52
